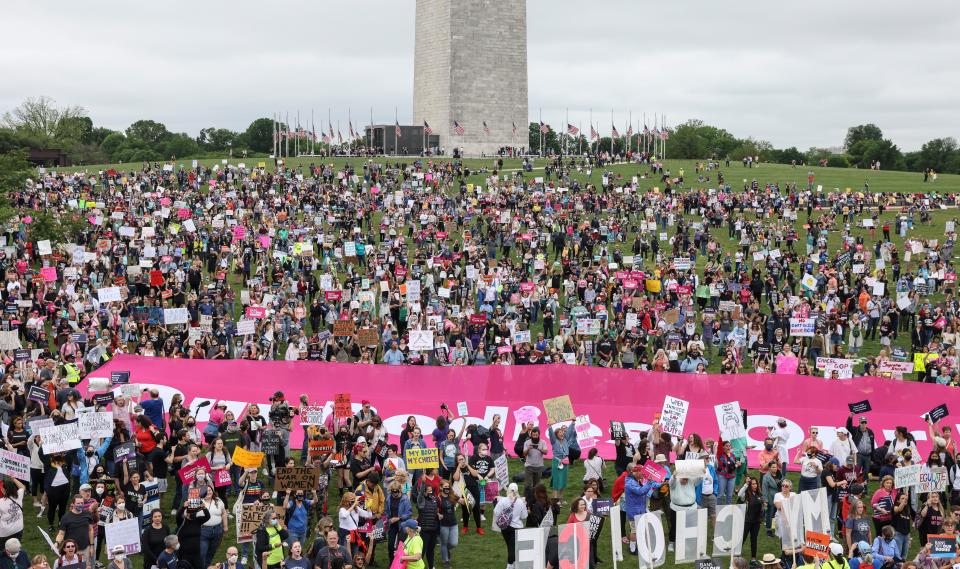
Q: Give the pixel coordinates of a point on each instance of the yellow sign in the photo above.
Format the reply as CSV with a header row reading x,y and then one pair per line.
x,y
920,361
420,458
261,164
247,459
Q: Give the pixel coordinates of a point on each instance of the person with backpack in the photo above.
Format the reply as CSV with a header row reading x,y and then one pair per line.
x,y
509,514
428,508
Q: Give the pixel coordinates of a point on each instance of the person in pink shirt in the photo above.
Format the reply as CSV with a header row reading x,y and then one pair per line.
x,y
812,441
883,500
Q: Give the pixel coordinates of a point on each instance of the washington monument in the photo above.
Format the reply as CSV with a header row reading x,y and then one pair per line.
x,y
471,66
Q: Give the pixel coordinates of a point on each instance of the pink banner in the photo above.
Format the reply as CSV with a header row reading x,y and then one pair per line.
x,y
632,397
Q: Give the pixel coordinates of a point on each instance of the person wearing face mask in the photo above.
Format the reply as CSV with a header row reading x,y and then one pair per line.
x,y
152,538
269,541
810,468
169,558
77,525
120,560
298,512
232,560
767,455
16,557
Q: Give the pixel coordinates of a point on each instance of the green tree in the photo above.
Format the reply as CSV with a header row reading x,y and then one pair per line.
x,y
259,135
179,145
861,132
148,131
884,151
42,119
14,172
940,154
216,139
112,144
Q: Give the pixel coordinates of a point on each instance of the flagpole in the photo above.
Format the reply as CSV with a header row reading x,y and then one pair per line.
x,y
286,152
370,132
273,133
665,137
611,135
580,138
630,136
396,142
350,123
540,127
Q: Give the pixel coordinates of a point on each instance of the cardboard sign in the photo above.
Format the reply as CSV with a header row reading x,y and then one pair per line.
x,y
251,516
729,419
817,545
344,328
125,533
803,327
907,476
311,414
60,438
341,406
860,406
420,458
674,415
296,478
95,425
247,459
932,480
559,409
368,337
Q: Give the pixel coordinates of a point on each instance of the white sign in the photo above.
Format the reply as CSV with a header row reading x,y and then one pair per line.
x,y
803,327
14,464
125,533
60,438
9,340
421,340
907,476
834,363
95,425
109,294
462,409
246,326
44,247
175,316
674,415
730,420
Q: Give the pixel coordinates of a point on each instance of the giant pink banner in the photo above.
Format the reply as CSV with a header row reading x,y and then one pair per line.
x,y
632,397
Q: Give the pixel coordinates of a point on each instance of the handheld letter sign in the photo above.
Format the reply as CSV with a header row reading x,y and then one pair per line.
x,y
860,406
674,415
341,406
939,412
559,409
817,545
420,458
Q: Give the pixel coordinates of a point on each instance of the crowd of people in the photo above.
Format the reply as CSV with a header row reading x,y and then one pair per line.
x,y
434,263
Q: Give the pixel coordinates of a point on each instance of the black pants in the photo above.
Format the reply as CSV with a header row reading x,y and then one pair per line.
x,y
510,538
475,492
752,528
430,539
393,534
57,497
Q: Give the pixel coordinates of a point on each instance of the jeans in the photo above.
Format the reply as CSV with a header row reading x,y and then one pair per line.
x,y
210,538
449,537
293,536
808,483
768,516
902,541
725,495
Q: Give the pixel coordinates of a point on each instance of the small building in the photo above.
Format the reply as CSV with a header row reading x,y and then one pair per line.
x,y
412,141
48,157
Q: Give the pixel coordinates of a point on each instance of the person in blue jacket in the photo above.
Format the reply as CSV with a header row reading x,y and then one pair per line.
x,y
636,490
708,499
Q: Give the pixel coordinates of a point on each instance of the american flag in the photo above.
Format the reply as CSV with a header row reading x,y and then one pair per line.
x,y
664,134
458,129
426,129
594,135
330,129
514,129
325,138
486,129
656,132
396,129
616,133
544,127
646,131
629,131
572,130
339,137
352,134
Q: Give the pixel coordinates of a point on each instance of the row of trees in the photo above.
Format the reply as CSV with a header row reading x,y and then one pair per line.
x,y
41,123
695,140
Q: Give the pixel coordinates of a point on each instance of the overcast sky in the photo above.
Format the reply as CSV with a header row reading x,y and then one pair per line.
x,y
793,74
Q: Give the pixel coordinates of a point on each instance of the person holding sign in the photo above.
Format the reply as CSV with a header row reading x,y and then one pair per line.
x,y
560,446
269,541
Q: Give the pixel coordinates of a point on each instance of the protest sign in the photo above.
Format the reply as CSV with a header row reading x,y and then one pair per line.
x,y
729,419
907,476
311,414
344,327
104,399
247,459
421,340
251,516
860,406
559,409
341,406
526,414
60,438
119,377
803,327
125,533
270,443
689,468
296,478
842,364
124,451
95,425
502,470
654,472
14,464
932,480
368,337
617,430
673,415
420,458
188,474
895,368
943,546
937,413
175,316
39,394
462,409
817,545
246,326
787,365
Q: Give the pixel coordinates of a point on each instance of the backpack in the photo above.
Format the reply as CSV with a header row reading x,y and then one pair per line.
x,y
503,520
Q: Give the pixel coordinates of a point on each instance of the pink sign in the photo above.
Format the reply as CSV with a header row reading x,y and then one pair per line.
x,y
604,394
188,473
221,478
787,365
256,312
654,472
49,274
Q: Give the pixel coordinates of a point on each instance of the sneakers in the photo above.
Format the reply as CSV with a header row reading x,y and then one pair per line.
x,y
42,509
36,504
243,561
464,530
670,547
480,531
483,518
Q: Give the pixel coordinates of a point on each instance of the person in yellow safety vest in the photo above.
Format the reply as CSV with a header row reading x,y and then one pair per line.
x,y
71,372
270,538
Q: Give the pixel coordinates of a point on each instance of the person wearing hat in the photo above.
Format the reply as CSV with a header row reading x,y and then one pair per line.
x,y
119,560
864,441
770,561
513,509
843,446
16,557
412,545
